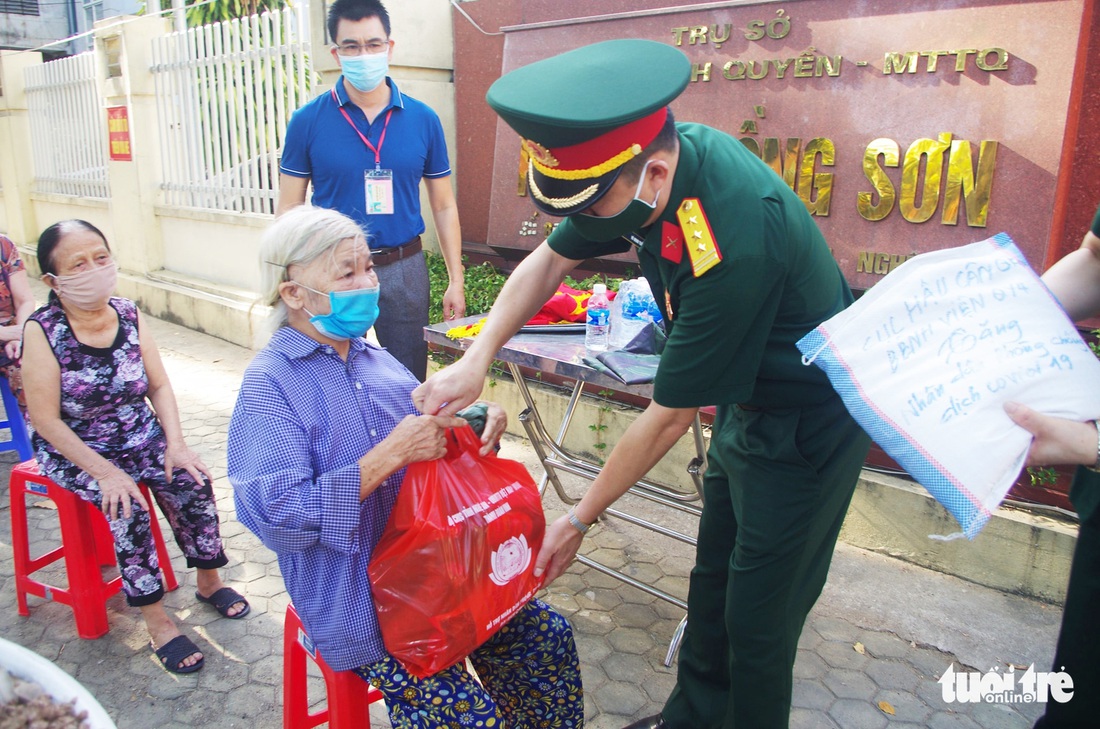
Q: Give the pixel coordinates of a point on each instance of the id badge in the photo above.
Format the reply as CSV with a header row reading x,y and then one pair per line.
x,y
378,185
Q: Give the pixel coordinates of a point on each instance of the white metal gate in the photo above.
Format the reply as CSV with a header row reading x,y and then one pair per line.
x,y
68,127
225,92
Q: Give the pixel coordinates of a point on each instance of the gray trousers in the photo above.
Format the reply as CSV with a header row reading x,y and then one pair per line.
x,y
403,312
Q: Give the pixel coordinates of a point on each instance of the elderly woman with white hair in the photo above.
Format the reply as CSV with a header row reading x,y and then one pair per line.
x,y
322,431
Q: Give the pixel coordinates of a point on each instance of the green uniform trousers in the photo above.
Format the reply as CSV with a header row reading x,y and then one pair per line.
x,y
777,487
1078,651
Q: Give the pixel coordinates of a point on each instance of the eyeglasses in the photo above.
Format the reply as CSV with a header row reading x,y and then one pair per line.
x,y
371,48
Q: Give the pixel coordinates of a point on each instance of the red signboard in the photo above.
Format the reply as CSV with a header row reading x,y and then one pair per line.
x,y
904,126
118,133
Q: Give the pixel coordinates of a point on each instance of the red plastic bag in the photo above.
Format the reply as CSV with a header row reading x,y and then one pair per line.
x,y
457,557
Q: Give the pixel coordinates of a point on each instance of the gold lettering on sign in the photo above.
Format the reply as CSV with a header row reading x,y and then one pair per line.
x,y
830,66
700,69
961,56
807,65
810,182
804,64
1000,64
931,152
797,170
719,38
786,165
900,63
780,26
961,182
933,57
880,263
894,62
964,181
884,188
748,127
776,28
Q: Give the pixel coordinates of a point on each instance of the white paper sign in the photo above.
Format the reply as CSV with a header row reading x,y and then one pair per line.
x,y
927,358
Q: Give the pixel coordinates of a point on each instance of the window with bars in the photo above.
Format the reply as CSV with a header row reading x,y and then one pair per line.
x,y
19,7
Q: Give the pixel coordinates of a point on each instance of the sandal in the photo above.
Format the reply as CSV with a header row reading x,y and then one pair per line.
x,y
224,599
173,653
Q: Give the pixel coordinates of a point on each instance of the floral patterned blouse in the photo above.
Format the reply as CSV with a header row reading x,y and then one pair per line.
x,y
10,263
102,389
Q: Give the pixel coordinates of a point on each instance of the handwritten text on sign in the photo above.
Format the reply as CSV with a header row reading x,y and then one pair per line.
x,y
962,323
927,358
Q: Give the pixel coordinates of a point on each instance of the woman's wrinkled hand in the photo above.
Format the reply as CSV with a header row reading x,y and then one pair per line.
x,y
117,490
422,437
178,455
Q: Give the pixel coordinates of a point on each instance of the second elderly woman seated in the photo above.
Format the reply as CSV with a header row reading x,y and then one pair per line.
x,y
91,371
318,443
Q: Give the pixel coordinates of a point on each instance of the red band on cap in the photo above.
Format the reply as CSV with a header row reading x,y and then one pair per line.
x,y
595,153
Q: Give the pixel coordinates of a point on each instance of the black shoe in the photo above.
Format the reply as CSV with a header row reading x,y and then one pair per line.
x,y
650,722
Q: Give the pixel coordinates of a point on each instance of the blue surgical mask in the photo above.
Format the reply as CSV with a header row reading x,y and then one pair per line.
x,y
627,220
352,313
365,72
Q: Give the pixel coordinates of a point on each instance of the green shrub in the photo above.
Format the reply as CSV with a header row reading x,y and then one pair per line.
x,y
483,284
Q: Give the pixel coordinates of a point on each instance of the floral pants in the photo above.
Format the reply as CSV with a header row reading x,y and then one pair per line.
x,y
530,678
186,503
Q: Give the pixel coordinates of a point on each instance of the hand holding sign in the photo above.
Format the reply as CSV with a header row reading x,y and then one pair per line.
x,y
926,360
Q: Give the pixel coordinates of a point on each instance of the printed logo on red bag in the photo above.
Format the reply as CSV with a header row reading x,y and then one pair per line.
x,y
510,559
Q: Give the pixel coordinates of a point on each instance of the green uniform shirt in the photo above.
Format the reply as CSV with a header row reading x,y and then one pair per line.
x,y
732,331
1096,224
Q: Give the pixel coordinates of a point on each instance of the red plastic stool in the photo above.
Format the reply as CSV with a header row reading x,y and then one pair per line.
x,y
86,545
349,696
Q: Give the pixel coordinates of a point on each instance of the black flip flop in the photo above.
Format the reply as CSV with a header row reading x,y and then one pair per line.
x,y
224,599
172,653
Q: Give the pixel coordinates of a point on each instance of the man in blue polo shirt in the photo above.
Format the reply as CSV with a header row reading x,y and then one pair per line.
x,y
365,147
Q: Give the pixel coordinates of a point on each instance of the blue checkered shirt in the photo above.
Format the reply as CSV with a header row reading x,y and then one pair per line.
x,y
302,420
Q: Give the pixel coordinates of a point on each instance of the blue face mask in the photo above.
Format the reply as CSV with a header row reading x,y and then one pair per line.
x,y
352,313
367,71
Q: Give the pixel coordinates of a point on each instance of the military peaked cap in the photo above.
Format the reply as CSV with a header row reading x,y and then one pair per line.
x,y
585,113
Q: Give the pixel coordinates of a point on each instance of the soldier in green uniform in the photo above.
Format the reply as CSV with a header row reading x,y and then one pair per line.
x,y
1075,280
743,272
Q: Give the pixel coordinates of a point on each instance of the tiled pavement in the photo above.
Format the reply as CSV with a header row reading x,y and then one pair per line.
x,y
883,631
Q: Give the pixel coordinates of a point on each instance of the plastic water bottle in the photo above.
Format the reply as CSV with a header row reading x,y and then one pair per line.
x,y
598,321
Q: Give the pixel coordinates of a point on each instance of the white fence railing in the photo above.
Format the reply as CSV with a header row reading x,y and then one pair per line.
x,y
224,95
68,127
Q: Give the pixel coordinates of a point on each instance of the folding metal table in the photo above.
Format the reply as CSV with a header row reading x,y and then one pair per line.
x,y
560,352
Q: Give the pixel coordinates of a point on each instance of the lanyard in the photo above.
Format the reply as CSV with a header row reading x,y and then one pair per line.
x,y
377,151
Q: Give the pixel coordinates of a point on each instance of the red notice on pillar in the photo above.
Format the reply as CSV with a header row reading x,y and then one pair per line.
x,y
118,133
